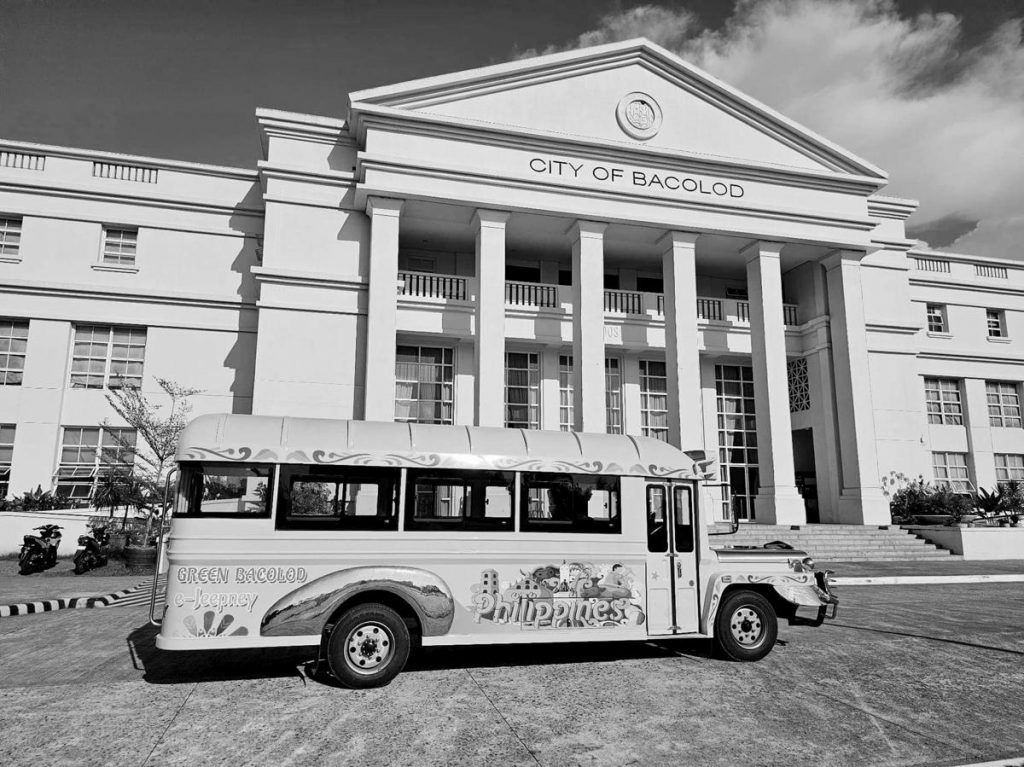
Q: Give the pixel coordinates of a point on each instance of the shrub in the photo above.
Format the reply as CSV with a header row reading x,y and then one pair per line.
x,y
911,497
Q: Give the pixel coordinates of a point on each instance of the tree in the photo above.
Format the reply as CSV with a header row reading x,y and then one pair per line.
x,y
159,430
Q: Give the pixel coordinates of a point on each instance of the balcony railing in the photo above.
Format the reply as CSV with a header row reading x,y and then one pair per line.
x,y
425,285
623,302
709,309
531,294
544,296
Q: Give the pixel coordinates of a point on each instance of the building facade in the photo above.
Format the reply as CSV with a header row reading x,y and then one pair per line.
x,y
606,240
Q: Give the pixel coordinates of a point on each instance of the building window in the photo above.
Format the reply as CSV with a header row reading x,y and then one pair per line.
x,y
10,236
613,395
565,398
799,385
522,390
89,453
995,321
107,356
1009,466
654,399
13,348
737,438
1003,404
936,318
119,246
951,472
424,384
6,457
942,399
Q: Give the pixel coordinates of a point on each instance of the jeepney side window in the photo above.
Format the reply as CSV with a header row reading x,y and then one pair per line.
x,y
338,498
570,503
657,524
458,500
228,490
683,512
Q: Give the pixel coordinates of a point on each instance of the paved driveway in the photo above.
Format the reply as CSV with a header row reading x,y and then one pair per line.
x,y
906,675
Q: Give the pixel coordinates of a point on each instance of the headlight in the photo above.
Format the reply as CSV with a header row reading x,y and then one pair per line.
x,y
808,563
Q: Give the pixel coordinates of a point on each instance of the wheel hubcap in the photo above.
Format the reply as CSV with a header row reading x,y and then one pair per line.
x,y
368,647
746,627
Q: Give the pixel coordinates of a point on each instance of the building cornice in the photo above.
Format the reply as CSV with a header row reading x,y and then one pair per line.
x,y
1002,359
973,287
131,199
880,206
74,153
438,173
67,290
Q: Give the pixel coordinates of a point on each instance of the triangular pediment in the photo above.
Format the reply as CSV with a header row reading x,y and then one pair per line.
x,y
583,95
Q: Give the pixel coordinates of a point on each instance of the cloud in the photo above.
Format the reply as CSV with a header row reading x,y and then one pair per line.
x,y
945,120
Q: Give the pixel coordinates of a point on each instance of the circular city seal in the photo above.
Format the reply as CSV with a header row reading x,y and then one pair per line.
x,y
639,115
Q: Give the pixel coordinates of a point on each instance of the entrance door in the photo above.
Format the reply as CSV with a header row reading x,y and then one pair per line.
x,y
671,561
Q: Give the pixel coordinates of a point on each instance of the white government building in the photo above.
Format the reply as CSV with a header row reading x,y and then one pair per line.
x,y
602,240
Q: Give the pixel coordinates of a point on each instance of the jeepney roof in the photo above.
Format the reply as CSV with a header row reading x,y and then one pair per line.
x,y
321,441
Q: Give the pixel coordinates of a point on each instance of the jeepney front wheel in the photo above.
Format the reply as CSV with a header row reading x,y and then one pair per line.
x,y
368,646
746,626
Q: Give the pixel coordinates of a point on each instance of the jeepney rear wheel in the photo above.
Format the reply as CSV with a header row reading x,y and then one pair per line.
x,y
368,646
746,626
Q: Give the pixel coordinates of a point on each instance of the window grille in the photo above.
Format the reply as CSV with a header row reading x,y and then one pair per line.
x,y
951,472
737,438
522,390
932,265
566,413
88,455
22,160
119,246
13,350
425,384
654,399
613,395
936,318
986,270
7,431
1003,404
799,385
1009,466
10,236
107,356
994,323
942,401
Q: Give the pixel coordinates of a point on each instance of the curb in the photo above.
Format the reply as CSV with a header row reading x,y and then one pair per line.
x,y
72,603
924,580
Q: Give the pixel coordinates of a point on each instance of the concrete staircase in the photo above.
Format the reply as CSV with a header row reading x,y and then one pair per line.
x,y
838,543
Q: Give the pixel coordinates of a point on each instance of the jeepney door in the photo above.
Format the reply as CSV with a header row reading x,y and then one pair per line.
x,y
671,561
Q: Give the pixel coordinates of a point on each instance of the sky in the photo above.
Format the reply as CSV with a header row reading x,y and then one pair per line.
x,y
930,90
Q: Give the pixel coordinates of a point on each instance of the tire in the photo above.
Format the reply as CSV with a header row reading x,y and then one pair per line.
x,y
746,626
368,646
83,562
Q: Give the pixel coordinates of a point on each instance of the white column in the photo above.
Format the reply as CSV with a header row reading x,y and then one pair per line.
x,y
550,393
682,360
778,501
381,309
489,342
860,496
588,325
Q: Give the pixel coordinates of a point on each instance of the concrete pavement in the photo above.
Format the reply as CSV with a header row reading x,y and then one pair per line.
x,y
924,675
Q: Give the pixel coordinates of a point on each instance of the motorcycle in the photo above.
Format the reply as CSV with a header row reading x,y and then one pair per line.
x,y
39,552
92,550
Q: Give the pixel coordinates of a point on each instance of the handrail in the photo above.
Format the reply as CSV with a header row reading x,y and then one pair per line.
x,y
160,550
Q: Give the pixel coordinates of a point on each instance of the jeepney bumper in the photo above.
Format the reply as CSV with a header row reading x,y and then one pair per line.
x,y
828,603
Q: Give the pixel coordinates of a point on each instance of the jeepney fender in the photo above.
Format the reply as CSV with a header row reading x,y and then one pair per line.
x,y
306,610
798,588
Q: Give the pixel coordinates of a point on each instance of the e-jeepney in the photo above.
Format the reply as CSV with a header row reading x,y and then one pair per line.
x,y
365,539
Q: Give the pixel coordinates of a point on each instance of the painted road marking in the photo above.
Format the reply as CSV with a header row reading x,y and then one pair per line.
x,y
136,595
924,580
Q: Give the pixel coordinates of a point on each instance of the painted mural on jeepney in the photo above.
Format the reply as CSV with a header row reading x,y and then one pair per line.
x,y
798,588
209,602
571,595
320,457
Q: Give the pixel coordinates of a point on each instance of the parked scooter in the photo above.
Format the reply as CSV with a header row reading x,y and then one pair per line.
x,y
92,550
39,552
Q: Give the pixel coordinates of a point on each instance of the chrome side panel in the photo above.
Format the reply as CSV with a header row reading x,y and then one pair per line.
x,y
790,586
305,610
